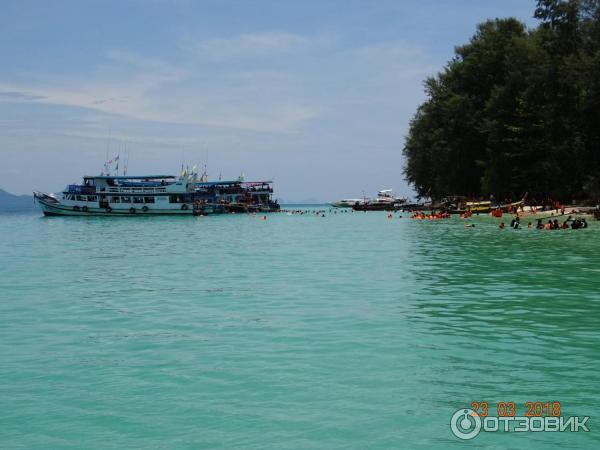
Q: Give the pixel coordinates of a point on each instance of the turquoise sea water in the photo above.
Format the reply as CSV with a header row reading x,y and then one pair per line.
x,y
349,331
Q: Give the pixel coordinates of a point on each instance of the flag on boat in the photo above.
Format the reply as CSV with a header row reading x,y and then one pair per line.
x,y
108,163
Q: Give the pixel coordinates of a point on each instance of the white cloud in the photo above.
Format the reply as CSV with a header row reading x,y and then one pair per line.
x,y
391,51
396,63
330,81
154,90
249,45
160,70
128,99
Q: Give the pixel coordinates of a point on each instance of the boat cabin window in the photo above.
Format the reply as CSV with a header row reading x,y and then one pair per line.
x,y
138,199
115,199
148,199
126,199
173,199
92,198
81,198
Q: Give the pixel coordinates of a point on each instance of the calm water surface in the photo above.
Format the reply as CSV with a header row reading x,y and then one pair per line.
x,y
349,331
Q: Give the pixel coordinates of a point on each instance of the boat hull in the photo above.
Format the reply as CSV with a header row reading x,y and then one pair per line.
x,y
346,203
50,208
378,207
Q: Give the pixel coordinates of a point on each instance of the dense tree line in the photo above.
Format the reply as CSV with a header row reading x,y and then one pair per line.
x,y
516,110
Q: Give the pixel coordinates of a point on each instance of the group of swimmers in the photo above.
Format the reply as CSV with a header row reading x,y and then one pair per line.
x,y
301,212
433,216
574,224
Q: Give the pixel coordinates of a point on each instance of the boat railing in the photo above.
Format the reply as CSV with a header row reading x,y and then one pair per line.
x,y
133,190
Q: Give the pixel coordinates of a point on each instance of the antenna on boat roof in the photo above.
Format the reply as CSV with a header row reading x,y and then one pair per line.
x,y
126,162
117,159
105,171
182,161
121,147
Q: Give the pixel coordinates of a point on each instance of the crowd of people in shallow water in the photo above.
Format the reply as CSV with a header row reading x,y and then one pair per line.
x,y
515,223
552,224
433,216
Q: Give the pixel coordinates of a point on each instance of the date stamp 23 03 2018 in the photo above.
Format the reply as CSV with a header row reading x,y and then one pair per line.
x,y
467,423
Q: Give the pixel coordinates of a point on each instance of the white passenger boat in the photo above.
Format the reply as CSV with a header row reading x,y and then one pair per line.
x,y
385,201
347,202
156,195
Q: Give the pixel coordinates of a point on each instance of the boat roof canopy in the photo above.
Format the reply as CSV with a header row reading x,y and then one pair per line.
x,y
219,183
215,183
142,177
255,183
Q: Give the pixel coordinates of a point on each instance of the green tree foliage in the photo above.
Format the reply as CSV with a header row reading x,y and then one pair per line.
x,y
516,110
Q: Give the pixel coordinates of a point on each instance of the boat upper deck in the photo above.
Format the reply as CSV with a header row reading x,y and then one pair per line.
x,y
145,184
164,185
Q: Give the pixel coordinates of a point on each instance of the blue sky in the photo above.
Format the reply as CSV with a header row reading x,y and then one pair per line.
x,y
316,95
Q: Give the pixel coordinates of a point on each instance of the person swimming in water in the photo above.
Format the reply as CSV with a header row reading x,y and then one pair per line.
x,y
516,223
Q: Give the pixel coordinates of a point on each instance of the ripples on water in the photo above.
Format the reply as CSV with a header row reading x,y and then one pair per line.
x,y
348,331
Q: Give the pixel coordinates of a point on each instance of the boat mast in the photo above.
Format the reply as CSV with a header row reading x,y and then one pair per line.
x,y
126,160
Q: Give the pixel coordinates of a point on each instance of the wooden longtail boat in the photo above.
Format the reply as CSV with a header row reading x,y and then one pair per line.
x,y
486,207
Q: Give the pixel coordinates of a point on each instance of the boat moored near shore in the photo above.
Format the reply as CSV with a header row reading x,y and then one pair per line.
x,y
107,195
385,201
347,202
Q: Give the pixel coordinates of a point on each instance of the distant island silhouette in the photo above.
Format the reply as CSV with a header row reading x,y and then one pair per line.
x,y
15,203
